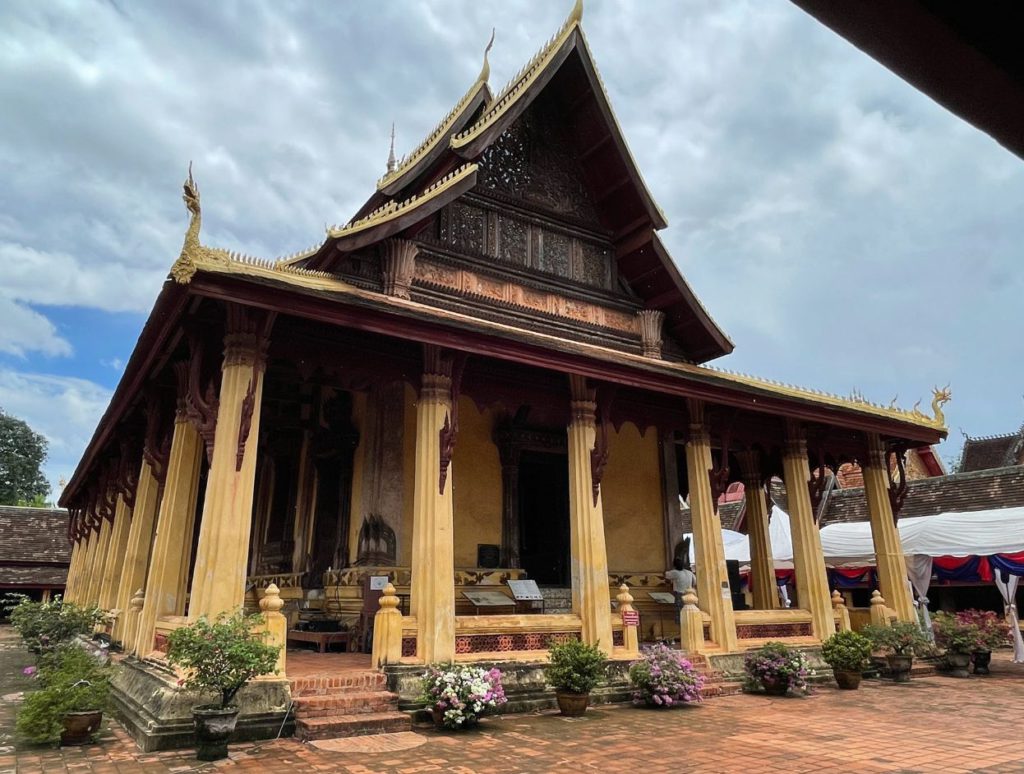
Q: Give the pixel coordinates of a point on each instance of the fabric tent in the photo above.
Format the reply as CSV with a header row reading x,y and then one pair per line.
x,y
737,545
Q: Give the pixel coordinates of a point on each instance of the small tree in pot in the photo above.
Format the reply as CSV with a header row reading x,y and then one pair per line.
x,y
900,641
575,670
847,653
958,638
219,657
69,707
993,632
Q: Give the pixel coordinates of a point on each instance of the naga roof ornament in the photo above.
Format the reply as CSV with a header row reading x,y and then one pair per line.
x,y
193,251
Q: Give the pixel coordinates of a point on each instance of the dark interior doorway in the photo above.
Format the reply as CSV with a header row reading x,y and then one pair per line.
x,y
544,517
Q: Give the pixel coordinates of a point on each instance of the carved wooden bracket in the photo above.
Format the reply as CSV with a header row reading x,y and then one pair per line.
x,y
898,485
201,406
128,472
817,484
650,322
245,423
451,364
156,446
398,266
599,454
718,476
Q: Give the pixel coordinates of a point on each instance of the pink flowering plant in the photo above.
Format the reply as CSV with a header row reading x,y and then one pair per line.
x,y
462,693
663,677
993,631
775,664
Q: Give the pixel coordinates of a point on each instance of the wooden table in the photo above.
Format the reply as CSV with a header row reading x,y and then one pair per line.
x,y
322,639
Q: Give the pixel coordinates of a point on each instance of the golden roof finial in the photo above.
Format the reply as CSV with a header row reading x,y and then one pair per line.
x,y
391,153
485,71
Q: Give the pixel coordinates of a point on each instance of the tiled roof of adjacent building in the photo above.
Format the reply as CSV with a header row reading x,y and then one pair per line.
x,y
991,452
34,548
975,491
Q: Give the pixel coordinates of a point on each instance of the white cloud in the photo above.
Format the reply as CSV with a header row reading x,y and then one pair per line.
x,y
24,330
64,409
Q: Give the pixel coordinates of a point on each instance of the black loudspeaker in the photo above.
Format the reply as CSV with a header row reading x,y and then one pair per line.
x,y
488,556
739,602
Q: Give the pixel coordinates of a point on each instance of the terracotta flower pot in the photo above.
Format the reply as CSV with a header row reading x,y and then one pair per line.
x,y
981,659
572,705
214,726
899,666
775,686
79,727
958,663
848,680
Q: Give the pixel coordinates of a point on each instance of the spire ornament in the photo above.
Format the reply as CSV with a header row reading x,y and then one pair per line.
x,y
391,154
485,71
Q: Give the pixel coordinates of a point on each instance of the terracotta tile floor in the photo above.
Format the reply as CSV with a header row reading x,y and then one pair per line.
x,y
935,724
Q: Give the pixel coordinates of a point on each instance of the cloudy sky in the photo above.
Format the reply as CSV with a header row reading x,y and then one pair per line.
x,y
846,231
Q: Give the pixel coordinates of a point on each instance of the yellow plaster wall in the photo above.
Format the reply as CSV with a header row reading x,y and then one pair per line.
x,y
477,484
408,478
633,502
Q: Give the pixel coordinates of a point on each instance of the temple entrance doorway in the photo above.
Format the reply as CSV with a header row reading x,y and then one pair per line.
x,y
544,548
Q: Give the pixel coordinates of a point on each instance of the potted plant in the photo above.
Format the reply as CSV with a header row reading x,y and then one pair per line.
x,y
777,669
958,638
993,632
847,653
458,694
575,670
69,707
219,657
900,641
663,677
47,625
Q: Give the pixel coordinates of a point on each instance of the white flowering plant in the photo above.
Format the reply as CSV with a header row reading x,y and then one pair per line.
x,y
459,694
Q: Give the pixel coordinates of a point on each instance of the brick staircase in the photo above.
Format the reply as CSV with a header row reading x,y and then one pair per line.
x,y
355,703
716,683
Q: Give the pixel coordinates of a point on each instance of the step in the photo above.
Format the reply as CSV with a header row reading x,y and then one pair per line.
x,y
347,682
363,724
334,704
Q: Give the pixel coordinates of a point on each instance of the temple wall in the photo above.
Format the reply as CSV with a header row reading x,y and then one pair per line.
x,y
633,502
477,484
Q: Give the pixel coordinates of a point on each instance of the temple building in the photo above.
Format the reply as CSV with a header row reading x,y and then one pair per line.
x,y
494,371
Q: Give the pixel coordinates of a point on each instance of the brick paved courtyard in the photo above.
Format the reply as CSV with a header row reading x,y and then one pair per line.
x,y
935,724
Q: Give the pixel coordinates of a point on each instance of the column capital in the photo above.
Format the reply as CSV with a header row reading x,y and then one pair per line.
x,y
398,266
750,468
796,439
247,337
650,322
874,456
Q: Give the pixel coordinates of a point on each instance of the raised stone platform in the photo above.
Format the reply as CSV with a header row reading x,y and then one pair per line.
x,y
158,714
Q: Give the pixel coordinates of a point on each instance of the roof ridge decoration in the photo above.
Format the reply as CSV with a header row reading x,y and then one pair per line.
x,y
855,400
393,209
442,130
518,83
192,250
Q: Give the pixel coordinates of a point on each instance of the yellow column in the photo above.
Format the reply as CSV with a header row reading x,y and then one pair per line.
x,y
433,562
889,559
808,560
709,551
177,514
115,556
762,566
136,555
77,550
99,560
591,596
88,544
222,553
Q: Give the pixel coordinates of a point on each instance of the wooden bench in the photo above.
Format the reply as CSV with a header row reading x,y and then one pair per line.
x,y
323,640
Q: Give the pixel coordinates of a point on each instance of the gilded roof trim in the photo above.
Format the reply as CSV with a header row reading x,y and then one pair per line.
x,y
393,209
519,83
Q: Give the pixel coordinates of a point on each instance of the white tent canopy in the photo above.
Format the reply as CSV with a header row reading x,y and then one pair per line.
x,y
954,533
737,545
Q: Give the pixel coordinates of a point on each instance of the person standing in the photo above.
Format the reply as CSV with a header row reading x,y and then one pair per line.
x,y
682,579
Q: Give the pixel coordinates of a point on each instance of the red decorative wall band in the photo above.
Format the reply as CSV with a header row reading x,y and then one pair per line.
x,y
160,642
772,630
501,643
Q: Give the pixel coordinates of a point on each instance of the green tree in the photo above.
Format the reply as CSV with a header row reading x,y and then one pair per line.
x,y
22,453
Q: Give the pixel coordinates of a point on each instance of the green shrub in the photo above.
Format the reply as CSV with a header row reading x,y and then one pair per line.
x,y
44,625
575,666
72,680
221,656
846,651
954,635
900,639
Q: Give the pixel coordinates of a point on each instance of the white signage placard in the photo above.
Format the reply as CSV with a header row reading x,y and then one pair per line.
x,y
525,590
378,582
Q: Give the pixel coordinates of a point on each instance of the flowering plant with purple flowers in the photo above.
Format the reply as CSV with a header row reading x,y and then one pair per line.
x,y
663,677
774,664
462,693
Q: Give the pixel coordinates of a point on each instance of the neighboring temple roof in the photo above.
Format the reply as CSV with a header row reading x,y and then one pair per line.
x,y
976,491
965,56
990,452
34,549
